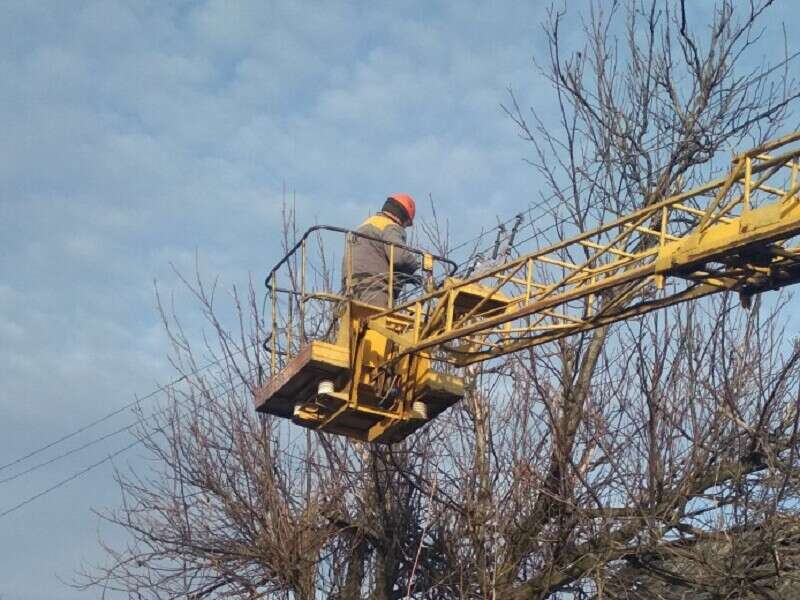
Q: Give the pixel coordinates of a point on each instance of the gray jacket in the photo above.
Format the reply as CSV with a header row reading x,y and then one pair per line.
x,y
370,259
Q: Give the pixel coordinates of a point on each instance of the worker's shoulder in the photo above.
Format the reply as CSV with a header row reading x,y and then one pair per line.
x,y
380,222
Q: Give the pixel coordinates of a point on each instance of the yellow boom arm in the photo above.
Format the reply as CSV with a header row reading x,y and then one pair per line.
x,y
728,234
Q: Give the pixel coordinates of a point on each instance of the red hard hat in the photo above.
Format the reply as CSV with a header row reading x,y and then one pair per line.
x,y
407,202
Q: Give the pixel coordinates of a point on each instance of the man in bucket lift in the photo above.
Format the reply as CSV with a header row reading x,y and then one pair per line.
x,y
370,259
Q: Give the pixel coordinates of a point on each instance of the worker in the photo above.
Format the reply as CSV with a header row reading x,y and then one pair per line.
x,y
370,258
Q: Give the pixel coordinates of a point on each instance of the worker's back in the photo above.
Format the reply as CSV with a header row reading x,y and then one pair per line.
x,y
370,260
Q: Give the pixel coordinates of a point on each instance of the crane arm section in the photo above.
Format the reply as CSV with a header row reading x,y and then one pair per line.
x,y
728,234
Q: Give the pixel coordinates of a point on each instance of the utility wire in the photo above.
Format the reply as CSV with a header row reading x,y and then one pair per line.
x,y
63,482
115,412
90,443
536,233
529,211
94,423
95,465
487,232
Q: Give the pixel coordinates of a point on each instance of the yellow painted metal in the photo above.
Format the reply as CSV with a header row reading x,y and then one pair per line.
x,y
273,355
391,275
366,398
756,226
732,233
349,262
731,246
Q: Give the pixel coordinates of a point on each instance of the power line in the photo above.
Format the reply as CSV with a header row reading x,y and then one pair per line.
x,y
553,196
488,231
93,466
94,423
88,444
63,482
115,412
536,233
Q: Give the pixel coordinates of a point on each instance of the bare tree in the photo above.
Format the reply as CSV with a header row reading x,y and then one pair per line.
x,y
657,457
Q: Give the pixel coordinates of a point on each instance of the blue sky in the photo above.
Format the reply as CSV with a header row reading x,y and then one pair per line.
x,y
142,133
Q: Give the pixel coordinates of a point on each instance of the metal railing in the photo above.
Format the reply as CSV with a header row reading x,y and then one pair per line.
x,y
308,284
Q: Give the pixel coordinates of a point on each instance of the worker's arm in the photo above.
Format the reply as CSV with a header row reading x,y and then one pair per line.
x,y
404,261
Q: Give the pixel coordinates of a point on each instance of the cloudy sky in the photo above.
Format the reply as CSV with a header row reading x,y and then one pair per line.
x,y
138,134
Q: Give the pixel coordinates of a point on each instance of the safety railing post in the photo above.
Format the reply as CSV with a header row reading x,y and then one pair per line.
x,y
417,320
662,240
273,359
451,298
289,324
302,307
528,280
391,276
748,167
349,264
